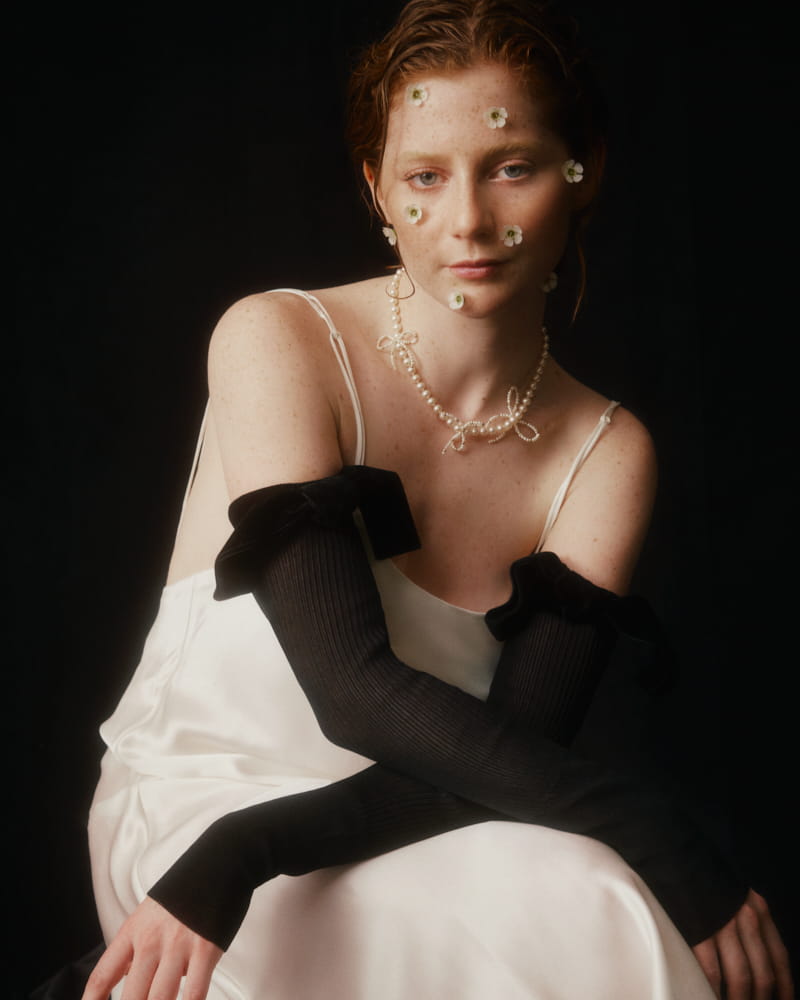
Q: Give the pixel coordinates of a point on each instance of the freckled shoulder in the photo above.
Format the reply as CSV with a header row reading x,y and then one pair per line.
x,y
272,383
605,517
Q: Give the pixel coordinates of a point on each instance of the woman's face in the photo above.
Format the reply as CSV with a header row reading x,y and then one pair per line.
x,y
478,210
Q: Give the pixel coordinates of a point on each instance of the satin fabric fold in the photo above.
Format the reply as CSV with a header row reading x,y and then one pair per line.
x,y
214,720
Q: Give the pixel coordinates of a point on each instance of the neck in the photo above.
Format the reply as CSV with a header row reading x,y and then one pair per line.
x,y
470,362
492,348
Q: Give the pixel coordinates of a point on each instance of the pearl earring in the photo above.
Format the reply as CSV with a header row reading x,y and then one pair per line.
x,y
550,282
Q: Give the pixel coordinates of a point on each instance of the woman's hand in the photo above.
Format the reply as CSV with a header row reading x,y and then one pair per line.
x,y
154,950
747,956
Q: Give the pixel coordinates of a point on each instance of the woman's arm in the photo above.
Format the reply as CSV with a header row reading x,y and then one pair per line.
x,y
267,361
411,722
207,892
378,810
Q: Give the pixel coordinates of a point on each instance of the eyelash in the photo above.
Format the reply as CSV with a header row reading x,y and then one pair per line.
x,y
524,171
416,175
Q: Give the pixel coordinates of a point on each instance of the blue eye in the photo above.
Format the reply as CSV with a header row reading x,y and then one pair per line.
x,y
515,170
426,178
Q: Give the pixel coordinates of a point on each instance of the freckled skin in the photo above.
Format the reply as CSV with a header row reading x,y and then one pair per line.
x,y
472,183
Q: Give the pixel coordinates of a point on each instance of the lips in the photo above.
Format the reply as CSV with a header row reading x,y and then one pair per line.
x,y
482,267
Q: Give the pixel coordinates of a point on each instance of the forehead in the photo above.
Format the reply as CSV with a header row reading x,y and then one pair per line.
x,y
452,106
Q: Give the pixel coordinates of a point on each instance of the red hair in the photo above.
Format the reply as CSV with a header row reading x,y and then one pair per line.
x,y
443,35
528,36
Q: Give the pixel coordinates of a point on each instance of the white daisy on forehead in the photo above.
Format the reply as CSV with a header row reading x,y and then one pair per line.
x,y
495,117
416,94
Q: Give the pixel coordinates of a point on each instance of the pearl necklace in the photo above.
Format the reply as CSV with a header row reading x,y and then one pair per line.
x,y
398,344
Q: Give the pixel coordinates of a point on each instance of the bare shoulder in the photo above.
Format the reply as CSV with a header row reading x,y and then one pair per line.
x,y
259,325
287,322
275,384
272,392
605,517
628,449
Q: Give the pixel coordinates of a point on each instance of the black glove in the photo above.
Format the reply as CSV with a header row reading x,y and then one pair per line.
x,y
446,758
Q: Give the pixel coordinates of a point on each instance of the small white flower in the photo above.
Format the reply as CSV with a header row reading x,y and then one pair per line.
x,y
573,171
550,283
511,235
390,234
456,300
495,117
416,94
412,213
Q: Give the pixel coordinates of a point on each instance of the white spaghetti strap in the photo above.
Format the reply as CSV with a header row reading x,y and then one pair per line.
x,y
342,357
580,458
195,462
340,350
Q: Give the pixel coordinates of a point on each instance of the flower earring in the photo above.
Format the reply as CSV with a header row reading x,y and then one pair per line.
x,y
572,171
511,235
390,234
550,283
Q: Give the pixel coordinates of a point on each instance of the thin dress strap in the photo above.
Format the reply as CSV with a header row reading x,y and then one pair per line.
x,y
339,349
344,363
195,462
580,458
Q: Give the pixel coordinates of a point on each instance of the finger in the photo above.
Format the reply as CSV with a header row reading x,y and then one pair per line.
x,y
110,969
166,982
708,959
140,976
777,953
201,968
735,966
749,926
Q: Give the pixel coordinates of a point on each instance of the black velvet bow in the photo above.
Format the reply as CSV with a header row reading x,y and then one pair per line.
x,y
265,518
541,581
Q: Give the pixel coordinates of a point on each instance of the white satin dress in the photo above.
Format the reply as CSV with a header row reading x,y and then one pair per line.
x,y
214,720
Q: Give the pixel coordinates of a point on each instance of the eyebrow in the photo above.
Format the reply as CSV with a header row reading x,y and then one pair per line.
x,y
503,149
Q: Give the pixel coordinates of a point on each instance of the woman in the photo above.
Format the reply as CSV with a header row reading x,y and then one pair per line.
x,y
408,447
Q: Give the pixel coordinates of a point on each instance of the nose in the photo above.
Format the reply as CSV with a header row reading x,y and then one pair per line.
x,y
470,210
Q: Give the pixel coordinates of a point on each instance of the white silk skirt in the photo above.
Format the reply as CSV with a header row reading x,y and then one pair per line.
x,y
214,721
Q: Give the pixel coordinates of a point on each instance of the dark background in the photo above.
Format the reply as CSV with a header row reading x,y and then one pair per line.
x,y
167,165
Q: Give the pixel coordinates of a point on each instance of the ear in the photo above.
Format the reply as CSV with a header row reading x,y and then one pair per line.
x,y
372,184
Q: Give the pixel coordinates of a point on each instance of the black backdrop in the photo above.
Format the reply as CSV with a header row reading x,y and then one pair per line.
x,y
168,165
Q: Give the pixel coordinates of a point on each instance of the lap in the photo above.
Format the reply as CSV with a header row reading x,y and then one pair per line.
x,y
495,910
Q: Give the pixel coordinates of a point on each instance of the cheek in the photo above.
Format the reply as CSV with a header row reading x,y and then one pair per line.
x,y
548,218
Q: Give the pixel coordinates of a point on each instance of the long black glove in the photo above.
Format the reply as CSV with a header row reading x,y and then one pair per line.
x,y
297,548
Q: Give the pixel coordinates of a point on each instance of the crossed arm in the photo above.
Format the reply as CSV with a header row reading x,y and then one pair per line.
x,y
516,771
507,769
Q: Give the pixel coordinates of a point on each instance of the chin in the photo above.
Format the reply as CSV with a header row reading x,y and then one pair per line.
x,y
484,299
